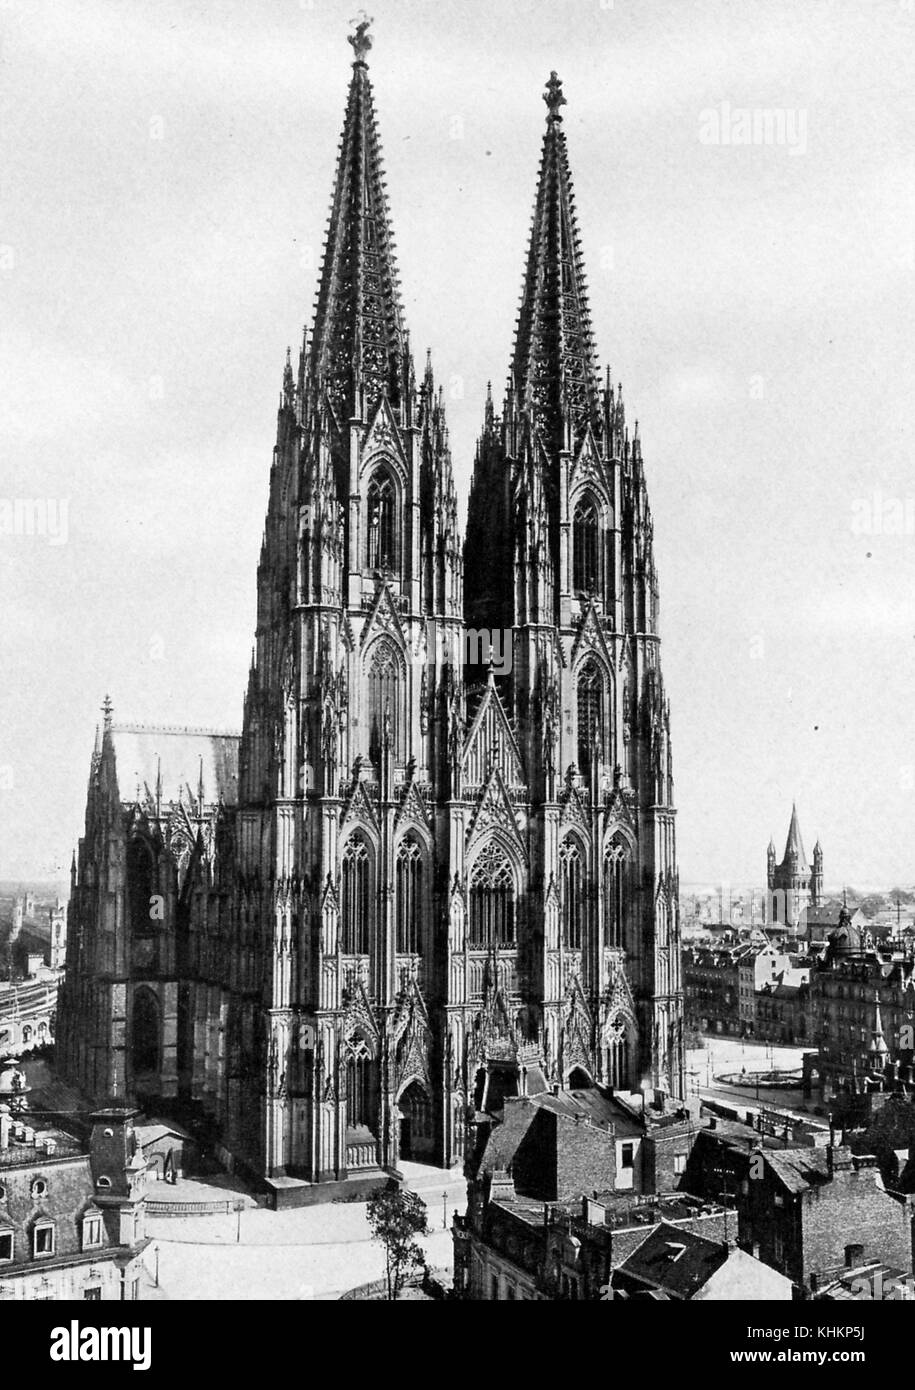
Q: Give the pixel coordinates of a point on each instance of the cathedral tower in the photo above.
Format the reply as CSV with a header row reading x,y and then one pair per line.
x,y
413,885
344,759
560,513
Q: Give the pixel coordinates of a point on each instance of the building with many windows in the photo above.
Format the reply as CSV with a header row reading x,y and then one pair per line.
x,y
72,1219
418,873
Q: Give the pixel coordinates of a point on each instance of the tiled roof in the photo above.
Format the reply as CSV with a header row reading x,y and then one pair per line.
x,y
675,1261
798,1169
592,1105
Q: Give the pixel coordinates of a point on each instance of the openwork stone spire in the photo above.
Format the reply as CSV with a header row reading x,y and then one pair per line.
x,y
358,344
553,367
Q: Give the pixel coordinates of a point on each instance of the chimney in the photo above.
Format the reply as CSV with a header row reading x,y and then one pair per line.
x,y
838,1158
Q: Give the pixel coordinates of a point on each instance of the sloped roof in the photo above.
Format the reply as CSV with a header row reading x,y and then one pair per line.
x,y
591,1104
794,844
150,1133
798,1169
675,1261
505,1138
178,758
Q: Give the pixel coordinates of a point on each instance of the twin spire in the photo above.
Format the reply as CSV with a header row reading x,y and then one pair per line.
x,y
359,340
553,373
359,346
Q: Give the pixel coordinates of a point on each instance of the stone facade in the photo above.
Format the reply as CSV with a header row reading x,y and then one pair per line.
x,y
793,885
422,869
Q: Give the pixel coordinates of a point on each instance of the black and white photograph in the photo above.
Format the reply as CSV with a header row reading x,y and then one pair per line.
x,y
387,914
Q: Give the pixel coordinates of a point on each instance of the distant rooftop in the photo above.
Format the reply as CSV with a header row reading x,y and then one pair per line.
x,y
45,1144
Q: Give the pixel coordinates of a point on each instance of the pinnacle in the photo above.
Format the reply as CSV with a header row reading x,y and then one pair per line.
x,y
358,342
553,361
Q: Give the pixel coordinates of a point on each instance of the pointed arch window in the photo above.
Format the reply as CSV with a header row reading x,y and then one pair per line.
x,y
145,1032
385,692
571,895
356,915
492,899
360,1086
141,884
381,500
614,895
590,718
586,547
409,897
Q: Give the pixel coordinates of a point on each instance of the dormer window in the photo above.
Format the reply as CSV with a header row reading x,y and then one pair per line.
x,y
43,1238
92,1231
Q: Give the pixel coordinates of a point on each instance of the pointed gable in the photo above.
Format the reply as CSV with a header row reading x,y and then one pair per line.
x,y
412,811
494,811
491,744
587,466
383,618
359,811
591,637
382,436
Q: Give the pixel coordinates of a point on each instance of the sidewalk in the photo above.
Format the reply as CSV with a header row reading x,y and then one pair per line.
x,y
316,1252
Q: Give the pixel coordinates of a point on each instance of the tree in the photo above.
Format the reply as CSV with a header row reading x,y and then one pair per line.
x,y
396,1218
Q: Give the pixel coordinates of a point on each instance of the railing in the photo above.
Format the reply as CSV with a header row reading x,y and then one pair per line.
x,y
361,1156
155,1207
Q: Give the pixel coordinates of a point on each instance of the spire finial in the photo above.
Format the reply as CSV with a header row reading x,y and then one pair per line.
x,y
553,97
361,39
107,708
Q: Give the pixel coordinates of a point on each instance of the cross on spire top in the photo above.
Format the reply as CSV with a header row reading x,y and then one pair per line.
x,y
553,97
361,39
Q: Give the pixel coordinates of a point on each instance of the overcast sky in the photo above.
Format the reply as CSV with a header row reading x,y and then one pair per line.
x,y
167,169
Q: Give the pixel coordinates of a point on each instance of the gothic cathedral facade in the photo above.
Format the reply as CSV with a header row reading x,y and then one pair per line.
x,y
422,879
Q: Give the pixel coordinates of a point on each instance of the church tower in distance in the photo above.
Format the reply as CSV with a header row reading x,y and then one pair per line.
x,y
423,879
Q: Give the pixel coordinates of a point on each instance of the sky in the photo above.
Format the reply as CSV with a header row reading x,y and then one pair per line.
x,y
163,197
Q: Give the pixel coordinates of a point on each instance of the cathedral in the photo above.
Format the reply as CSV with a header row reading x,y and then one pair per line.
x,y
422,879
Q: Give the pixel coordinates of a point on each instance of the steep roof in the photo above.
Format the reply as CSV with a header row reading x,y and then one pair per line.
x,y
554,360
359,337
173,764
798,1169
794,844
